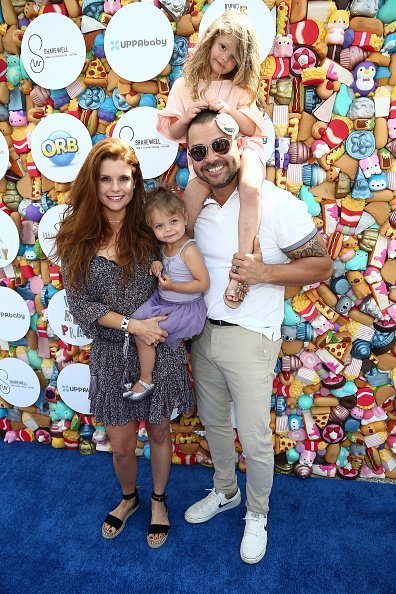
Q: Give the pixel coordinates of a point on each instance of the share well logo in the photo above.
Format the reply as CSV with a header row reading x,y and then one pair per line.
x,y
35,45
4,384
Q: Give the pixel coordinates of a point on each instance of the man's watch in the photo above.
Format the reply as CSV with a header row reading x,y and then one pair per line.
x,y
124,324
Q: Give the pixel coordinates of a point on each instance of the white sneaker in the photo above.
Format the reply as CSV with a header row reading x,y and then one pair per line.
x,y
209,506
254,541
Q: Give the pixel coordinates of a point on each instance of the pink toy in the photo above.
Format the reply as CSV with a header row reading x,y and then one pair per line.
x,y
307,457
283,46
309,360
357,413
391,441
372,275
111,6
367,472
321,324
370,165
391,123
10,436
373,415
17,118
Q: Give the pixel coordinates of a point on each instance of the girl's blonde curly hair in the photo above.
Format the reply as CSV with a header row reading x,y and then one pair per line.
x,y
246,73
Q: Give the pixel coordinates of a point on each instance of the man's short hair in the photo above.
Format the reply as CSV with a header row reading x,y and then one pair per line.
x,y
203,117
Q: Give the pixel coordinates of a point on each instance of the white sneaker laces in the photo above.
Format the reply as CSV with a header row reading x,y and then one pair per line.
x,y
213,495
253,523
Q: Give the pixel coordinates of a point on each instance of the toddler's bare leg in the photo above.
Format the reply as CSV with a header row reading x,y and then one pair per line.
x,y
250,182
194,196
146,354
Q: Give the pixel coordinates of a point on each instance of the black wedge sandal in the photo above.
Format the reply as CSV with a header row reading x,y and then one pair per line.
x,y
115,522
158,528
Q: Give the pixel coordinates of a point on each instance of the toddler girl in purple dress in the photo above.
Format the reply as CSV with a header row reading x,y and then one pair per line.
x,y
182,279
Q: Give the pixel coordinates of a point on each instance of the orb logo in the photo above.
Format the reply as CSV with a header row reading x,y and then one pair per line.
x,y
60,148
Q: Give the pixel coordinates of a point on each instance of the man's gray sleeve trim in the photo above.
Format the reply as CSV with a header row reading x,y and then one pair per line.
x,y
301,242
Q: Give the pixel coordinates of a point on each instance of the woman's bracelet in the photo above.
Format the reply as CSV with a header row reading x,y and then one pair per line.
x,y
124,324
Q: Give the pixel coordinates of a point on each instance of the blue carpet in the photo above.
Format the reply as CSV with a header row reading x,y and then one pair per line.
x,y
328,536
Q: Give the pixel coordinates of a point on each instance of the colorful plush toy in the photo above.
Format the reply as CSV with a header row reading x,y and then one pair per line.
x,y
59,411
364,83
337,24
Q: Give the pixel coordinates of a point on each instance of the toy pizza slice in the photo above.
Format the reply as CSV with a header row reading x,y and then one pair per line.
x,y
283,443
95,74
339,350
320,415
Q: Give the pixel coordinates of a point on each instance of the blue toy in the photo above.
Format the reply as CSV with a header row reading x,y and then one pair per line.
x,y
378,182
290,318
59,411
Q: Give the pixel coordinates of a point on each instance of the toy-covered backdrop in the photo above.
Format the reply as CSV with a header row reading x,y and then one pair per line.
x,y
328,80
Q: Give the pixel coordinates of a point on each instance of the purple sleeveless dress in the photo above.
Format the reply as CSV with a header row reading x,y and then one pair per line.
x,y
186,312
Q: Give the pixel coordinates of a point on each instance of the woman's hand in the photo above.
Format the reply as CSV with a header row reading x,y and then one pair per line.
x,y
166,283
156,268
219,105
149,332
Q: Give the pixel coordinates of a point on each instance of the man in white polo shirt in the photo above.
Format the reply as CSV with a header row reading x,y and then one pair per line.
x,y
233,359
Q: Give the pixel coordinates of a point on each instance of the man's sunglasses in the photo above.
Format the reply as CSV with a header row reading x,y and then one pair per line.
x,y
221,146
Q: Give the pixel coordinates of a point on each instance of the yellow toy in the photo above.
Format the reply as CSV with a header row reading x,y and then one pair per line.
x,y
337,25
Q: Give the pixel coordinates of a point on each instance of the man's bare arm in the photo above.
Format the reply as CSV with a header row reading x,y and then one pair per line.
x,y
310,263
314,248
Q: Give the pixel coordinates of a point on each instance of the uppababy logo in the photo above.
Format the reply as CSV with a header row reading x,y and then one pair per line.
x,y
66,388
133,43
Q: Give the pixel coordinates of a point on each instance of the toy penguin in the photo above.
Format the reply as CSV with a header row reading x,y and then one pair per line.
x,y
364,83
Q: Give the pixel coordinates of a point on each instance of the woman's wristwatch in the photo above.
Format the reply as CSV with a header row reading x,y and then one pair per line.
x,y
124,324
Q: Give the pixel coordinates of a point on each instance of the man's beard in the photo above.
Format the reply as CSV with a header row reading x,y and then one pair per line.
x,y
232,173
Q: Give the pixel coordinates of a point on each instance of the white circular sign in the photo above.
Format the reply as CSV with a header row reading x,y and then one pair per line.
x,y
269,139
47,230
53,51
73,387
9,239
258,14
4,156
138,42
62,321
19,385
14,315
60,144
155,152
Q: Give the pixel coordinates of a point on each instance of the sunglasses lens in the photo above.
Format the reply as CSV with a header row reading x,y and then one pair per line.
x,y
198,152
221,146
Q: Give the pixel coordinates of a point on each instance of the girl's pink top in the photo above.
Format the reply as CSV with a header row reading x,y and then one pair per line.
x,y
179,100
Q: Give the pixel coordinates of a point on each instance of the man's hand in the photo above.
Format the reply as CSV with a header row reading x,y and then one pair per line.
x,y
249,267
166,283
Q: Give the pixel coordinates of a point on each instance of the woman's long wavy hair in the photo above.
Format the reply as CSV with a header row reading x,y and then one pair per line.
x,y
246,74
85,229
